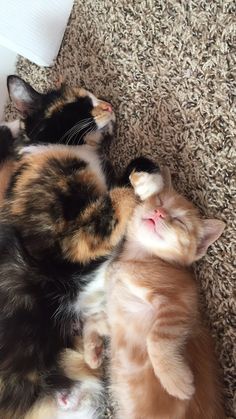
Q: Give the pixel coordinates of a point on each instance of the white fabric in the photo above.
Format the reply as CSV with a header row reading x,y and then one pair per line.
x,y
34,28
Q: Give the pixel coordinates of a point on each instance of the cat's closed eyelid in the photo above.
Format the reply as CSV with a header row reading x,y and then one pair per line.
x,y
159,201
181,222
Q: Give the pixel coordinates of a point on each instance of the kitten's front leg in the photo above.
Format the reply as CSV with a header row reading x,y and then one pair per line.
x,y
95,328
165,343
146,184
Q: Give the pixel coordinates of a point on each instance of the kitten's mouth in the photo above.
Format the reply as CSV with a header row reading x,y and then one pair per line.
x,y
153,225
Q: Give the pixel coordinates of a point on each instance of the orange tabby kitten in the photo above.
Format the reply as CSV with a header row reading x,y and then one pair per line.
x,y
163,364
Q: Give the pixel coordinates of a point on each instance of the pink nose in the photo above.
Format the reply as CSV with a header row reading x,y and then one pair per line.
x,y
107,107
160,213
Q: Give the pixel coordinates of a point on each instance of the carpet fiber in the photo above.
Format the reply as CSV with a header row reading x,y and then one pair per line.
x,y
167,67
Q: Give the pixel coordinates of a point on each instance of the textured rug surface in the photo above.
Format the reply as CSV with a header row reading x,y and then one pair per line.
x,y
167,67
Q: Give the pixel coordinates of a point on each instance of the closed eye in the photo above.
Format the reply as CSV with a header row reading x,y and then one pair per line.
x,y
181,222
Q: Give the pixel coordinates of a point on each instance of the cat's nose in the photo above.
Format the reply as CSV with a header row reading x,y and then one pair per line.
x,y
106,107
160,213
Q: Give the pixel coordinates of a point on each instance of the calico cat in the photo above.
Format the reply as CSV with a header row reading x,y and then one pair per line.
x,y
162,360
59,225
67,115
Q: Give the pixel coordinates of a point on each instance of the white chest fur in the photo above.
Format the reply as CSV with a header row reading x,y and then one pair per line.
x,y
92,299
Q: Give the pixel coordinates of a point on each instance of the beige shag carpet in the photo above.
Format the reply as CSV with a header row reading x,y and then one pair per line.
x,y
167,67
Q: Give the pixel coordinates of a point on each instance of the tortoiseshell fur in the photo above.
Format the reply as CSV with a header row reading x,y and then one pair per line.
x,y
59,225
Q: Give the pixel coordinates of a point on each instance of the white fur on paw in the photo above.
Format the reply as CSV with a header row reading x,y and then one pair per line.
x,y
146,184
69,400
14,127
178,381
93,352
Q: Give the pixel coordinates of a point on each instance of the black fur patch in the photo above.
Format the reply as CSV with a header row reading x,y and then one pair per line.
x,y
103,221
6,143
76,199
65,167
52,130
140,164
109,172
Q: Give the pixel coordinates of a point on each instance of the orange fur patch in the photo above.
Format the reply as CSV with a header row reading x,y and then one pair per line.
x,y
6,171
158,344
75,367
84,246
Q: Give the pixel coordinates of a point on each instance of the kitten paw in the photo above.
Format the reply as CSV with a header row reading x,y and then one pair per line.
x,y
93,351
178,382
146,184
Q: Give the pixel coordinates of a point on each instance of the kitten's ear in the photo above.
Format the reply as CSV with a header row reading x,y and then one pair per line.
x,y
167,177
24,97
212,230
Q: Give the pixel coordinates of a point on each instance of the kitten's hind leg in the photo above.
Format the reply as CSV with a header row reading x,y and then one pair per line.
x,y
165,344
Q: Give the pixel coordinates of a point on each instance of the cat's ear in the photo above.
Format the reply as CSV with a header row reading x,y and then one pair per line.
x,y
211,231
167,177
24,97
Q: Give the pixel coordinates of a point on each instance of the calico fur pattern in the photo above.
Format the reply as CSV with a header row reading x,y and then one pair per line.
x,y
61,208
52,243
59,225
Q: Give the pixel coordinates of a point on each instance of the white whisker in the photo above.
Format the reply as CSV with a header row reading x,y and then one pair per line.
x,y
89,130
77,130
76,126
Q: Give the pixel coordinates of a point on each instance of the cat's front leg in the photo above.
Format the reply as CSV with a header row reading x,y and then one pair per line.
x,y
165,343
